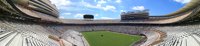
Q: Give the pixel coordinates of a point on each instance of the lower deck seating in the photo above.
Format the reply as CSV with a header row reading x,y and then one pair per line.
x,y
175,35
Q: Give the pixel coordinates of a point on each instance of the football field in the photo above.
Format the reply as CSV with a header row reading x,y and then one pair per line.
x,y
106,38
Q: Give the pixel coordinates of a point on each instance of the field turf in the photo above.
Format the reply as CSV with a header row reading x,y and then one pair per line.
x,y
106,38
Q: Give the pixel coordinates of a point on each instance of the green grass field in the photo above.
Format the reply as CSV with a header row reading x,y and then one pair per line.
x,y
106,38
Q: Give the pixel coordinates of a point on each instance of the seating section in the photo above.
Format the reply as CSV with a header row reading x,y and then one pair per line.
x,y
181,36
16,33
21,34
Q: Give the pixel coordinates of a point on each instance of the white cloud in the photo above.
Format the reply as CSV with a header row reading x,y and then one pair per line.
x,y
65,4
82,1
122,11
95,0
66,13
88,5
118,1
109,7
79,15
96,14
60,3
99,6
102,2
182,1
138,8
106,18
62,17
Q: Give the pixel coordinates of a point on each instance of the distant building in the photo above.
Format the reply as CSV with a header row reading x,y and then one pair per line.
x,y
135,15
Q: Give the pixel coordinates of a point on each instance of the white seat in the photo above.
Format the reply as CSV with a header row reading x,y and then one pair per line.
x,y
191,41
8,39
17,41
184,43
180,42
24,41
4,34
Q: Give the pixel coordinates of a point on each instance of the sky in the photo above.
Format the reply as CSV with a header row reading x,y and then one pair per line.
x,y
111,9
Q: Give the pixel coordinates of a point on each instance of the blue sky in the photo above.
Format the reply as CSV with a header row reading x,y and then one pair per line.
x,y
111,9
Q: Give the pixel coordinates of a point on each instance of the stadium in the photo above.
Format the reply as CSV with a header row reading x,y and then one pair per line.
x,y
37,23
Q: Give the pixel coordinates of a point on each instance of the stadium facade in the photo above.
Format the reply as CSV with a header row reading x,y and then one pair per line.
x,y
36,23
